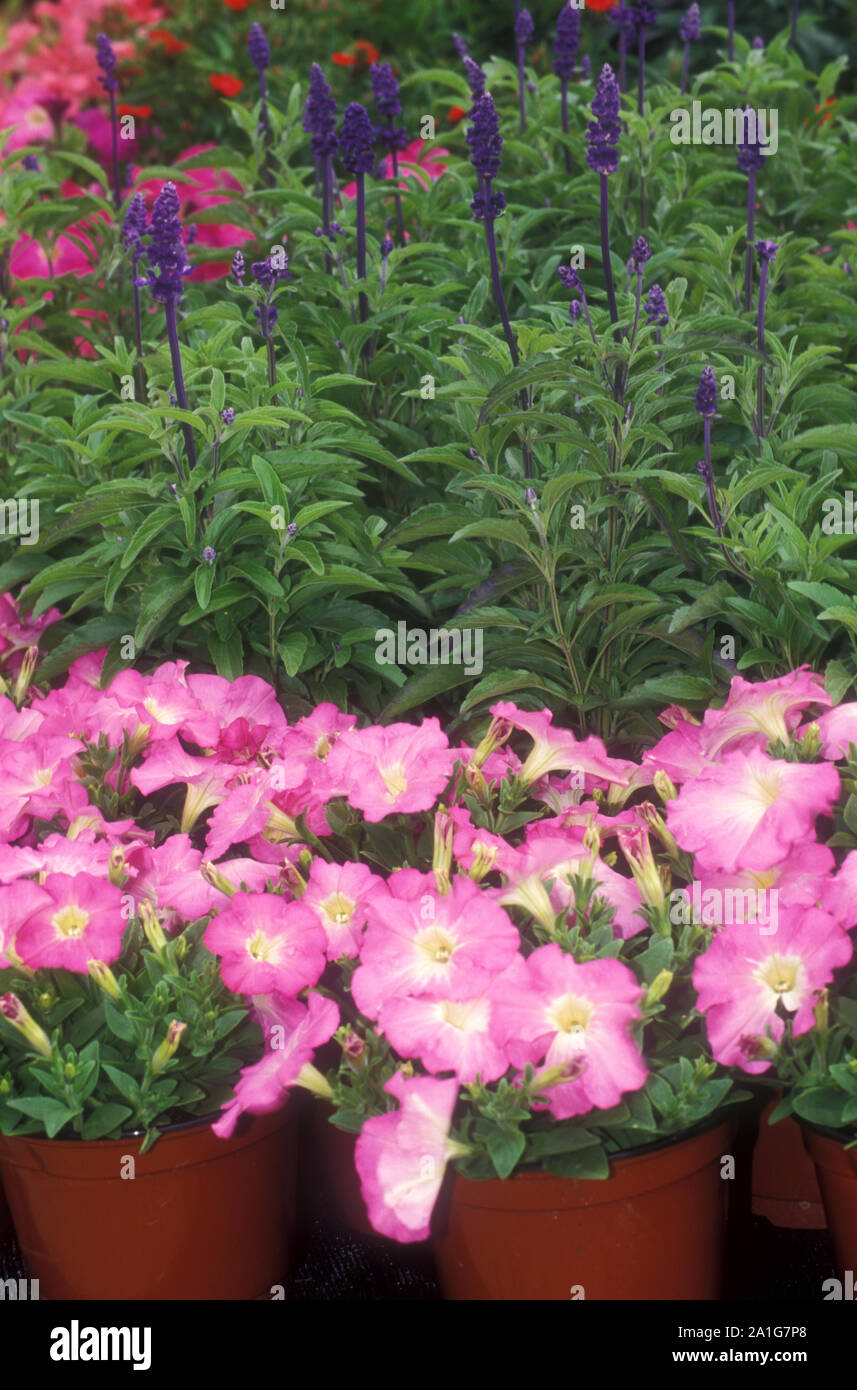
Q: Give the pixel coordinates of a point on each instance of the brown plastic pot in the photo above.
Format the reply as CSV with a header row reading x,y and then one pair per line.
x,y
836,1168
653,1230
202,1217
5,1218
785,1187
333,1158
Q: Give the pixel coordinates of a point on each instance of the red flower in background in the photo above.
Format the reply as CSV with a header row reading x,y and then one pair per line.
x,y
226,84
170,42
365,53
126,109
600,4
455,113
237,4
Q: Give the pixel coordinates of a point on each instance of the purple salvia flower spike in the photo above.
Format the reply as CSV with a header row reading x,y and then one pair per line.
x,y
260,57
750,160
356,139
566,44
106,60
602,138
646,15
523,33
766,251
167,268
385,90
460,45
706,406
475,78
319,122
689,31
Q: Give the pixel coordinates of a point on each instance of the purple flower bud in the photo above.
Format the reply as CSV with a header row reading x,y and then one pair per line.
x,y
106,59
585,68
645,15
704,471
574,310
134,227
656,308
524,27
209,555
847,268
319,120
690,29
385,90
766,251
484,138
266,274
750,157
337,229
758,42
387,245
30,162
640,253
706,394
227,415
476,78
166,254
602,134
292,529
460,45
238,268
356,138
257,47
531,497
569,277
567,41
625,21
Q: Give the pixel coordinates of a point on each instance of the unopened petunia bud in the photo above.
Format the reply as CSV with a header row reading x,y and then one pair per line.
x,y
116,868
354,1049
658,988
16,1013
311,1079
103,976
169,1046
822,1011
25,675
811,741
499,732
152,928
442,859
665,786
212,875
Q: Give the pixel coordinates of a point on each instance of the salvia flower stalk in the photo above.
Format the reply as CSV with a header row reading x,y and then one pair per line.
x,y
356,139
571,280
689,31
706,406
646,15
750,160
460,46
640,253
795,17
523,34
602,138
476,78
260,57
134,228
319,122
167,267
267,275
566,45
106,60
766,251
730,21
385,90
625,21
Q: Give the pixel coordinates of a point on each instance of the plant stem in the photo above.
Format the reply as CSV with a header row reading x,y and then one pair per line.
x,y
522,89
605,251
731,22
760,338
565,126
641,69
685,67
361,243
178,379
623,56
751,227
138,339
400,225
500,301
795,13
114,125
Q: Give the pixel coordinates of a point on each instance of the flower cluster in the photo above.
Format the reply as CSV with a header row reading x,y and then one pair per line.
x,y
602,134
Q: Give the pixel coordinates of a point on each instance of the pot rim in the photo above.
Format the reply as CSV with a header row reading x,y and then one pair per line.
x,y
840,1136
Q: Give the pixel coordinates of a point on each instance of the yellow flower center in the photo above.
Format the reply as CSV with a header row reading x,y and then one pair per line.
x,y
70,921
437,945
768,783
394,780
259,946
339,908
571,1015
780,973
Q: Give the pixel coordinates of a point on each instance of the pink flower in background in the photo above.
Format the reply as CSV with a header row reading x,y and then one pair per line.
x,y
446,1034
399,767
18,902
209,187
551,1009
839,894
401,1157
749,810
803,879
266,943
18,631
419,161
207,780
419,941
759,711
838,728
81,921
339,895
743,977
73,251
265,1085
557,858
164,702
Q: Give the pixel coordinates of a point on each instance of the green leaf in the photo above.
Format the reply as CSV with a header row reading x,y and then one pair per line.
x,y
50,1113
292,649
582,1163
146,532
505,1147
119,1025
107,1117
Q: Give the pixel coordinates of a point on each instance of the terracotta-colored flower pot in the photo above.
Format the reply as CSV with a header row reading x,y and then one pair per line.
x,y
836,1168
202,1217
785,1188
653,1230
5,1218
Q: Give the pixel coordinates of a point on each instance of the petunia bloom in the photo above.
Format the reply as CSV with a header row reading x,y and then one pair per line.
x,y
266,943
81,921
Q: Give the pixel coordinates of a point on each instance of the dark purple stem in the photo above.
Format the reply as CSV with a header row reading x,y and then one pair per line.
x,y
138,338
522,89
623,54
361,241
500,301
751,228
709,480
641,71
400,225
685,67
114,123
731,21
760,339
605,251
178,380
565,127
795,13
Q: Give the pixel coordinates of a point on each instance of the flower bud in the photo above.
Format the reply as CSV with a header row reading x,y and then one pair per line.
x,y
169,1046
822,1011
311,1079
811,741
442,858
638,853
658,988
25,675
483,860
354,1049
103,976
152,928
15,1013
116,869
499,732
69,1071
665,786
213,876
476,782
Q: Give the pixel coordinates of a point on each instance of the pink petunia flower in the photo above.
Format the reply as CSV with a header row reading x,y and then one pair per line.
x,y
339,896
446,1034
209,187
420,161
18,902
556,750
398,767
418,941
551,1009
164,702
266,943
557,858
82,921
207,780
759,711
247,713
742,978
749,810
838,728
401,1157
265,1085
